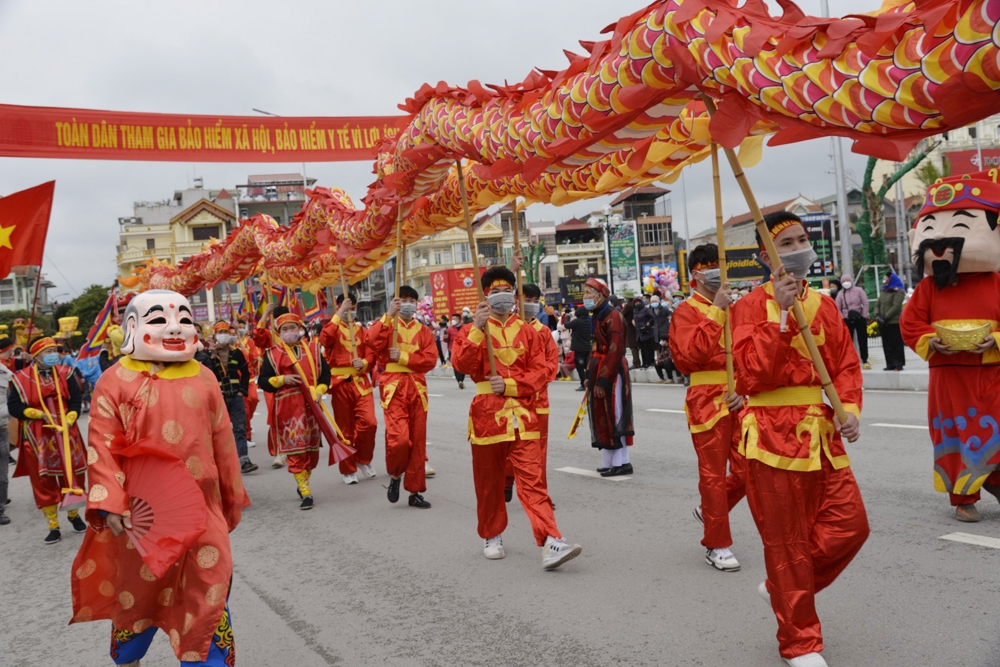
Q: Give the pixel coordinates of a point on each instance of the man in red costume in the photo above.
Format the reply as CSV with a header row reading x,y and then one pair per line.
x,y
698,349
503,422
956,245
157,399
799,483
294,431
407,353
264,338
246,345
45,399
609,397
350,389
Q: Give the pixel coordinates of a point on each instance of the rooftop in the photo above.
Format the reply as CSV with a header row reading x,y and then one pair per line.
x,y
810,206
644,193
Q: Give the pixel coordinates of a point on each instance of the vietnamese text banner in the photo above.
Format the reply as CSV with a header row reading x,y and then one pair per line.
x,y
86,134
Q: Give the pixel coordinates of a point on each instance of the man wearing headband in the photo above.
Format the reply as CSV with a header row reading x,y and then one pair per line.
x,y
6,375
46,395
407,354
503,419
233,374
264,337
294,432
698,350
350,389
799,483
610,390
956,246
158,409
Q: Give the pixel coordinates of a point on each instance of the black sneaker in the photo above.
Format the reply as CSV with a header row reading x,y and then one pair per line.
x,y
11,460
603,470
53,537
613,471
508,489
4,519
8,502
417,500
307,503
393,493
79,525
626,469
248,466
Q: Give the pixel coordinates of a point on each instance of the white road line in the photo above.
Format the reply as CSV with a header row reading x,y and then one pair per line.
x,y
671,412
920,428
969,538
592,473
436,395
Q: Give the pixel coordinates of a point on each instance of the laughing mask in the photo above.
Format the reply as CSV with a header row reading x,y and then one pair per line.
x,y
956,231
159,327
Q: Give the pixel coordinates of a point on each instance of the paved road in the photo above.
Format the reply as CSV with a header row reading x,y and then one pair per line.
x,y
358,581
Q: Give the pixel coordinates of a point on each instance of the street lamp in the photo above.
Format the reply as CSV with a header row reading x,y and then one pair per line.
x,y
606,221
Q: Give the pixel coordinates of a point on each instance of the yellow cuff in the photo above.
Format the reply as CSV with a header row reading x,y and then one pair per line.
x,y
923,346
404,358
853,409
476,336
321,388
278,381
336,320
716,314
364,365
33,413
71,418
386,320
511,389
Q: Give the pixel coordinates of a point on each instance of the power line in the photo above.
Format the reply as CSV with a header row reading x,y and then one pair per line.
x,y
68,283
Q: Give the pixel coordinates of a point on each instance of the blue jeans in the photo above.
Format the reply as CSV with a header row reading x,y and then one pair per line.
x,y
127,646
238,416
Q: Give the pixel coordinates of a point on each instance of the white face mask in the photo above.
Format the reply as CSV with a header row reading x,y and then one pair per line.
x,y
848,285
797,262
291,337
223,339
407,309
501,302
531,310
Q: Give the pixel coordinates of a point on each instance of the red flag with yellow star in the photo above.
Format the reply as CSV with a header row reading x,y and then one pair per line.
x,y
24,222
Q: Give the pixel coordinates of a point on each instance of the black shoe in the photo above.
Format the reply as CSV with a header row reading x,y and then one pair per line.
x,y
614,471
603,470
307,503
248,466
417,500
393,493
461,385
11,460
4,519
581,388
627,469
8,502
53,537
508,489
79,525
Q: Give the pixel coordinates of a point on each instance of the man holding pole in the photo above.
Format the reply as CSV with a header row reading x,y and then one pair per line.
x,y
800,488
349,357
698,346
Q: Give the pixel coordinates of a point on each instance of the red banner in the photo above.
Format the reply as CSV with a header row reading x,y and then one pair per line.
x,y
110,135
967,162
453,290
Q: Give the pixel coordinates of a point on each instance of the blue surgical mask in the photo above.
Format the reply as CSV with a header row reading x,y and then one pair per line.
x,y
655,305
589,304
51,359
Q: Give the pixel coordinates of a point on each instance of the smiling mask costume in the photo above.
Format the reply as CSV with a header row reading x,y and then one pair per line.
x,y
956,248
158,403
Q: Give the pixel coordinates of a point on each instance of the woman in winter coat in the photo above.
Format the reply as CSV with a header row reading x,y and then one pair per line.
x,y
887,311
645,331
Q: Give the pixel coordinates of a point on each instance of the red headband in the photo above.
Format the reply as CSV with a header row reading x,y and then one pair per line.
x,y
782,226
702,267
499,282
40,345
288,318
222,326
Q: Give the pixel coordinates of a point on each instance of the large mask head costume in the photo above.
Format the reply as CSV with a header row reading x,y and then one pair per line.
x,y
159,327
956,231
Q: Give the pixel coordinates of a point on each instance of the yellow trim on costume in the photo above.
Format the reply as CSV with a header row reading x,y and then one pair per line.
x,y
476,336
923,347
853,409
710,424
276,381
483,388
699,378
344,370
397,368
543,411
404,358
510,388
821,432
173,371
811,303
787,396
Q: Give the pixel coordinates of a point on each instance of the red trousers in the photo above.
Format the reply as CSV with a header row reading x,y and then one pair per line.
x,y
543,443
812,525
406,437
355,415
972,499
251,400
46,488
720,492
489,463
304,461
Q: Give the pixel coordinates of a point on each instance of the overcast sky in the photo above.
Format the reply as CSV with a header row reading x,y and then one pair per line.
x,y
334,58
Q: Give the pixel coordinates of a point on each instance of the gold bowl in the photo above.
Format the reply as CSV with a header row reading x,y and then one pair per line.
x,y
962,336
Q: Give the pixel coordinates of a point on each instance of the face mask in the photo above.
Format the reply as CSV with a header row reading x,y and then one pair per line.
x,y
589,304
531,310
223,339
655,305
848,285
712,279
454,323
50,359
242,331
407,310
291,337
798,262
501,302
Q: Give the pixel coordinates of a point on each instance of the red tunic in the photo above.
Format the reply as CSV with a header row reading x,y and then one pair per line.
x,y
551,362
417,355
46,444
609,370
182,410
336,341
962,403
293,428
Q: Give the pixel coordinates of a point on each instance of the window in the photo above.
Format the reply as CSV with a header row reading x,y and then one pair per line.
x,y
7,293
447,256
489,250
150,244
205,233
462,255
437,256
638,209
655,234
570,268
548,275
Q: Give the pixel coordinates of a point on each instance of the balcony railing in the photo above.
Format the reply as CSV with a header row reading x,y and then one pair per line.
x,y
564,248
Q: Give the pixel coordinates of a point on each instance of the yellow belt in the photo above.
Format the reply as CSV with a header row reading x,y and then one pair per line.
x,y
699,378
397,368
344,370
788,396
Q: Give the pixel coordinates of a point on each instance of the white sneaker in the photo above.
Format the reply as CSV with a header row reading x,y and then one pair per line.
x,y
698,515
366,470
807,660
762,591
494,548
251,443
428,470
350,478
279,461
722,559
556,552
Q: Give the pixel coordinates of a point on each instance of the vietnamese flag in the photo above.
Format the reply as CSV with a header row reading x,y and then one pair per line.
x,y
24,222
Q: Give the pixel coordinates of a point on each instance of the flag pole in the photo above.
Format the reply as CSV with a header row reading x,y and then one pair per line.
x,y
720,237
474,251
517,249
350,314
34,301
772,252
399,270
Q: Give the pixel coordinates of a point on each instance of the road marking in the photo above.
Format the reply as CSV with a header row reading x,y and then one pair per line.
x,y
592,473
921,428
671,412
969,538
436,395
908,392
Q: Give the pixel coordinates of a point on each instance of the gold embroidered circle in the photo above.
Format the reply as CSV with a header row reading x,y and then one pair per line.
x,y
166,597
172,432
191,656
107,589
191,397
125,374
188,622
92,456
175,639
141,625
105,408
195,467
98,493
208,556
146,573
126,600
148,395
128,544
103,536
87,568
120,477
216,594
85,614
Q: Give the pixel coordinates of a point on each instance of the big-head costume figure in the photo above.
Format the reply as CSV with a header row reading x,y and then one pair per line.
x,y
165,492
956,247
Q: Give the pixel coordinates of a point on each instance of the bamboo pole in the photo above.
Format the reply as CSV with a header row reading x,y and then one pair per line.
x,y
727,329
517,249
399,270
350,313
772,252
474,251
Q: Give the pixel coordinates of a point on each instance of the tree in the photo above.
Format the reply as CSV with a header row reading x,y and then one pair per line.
x,y
928,172
533,255
88,306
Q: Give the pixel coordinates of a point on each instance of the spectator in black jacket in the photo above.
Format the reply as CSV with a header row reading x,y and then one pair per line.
x,y
645,331
580,342
661,318
223,358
